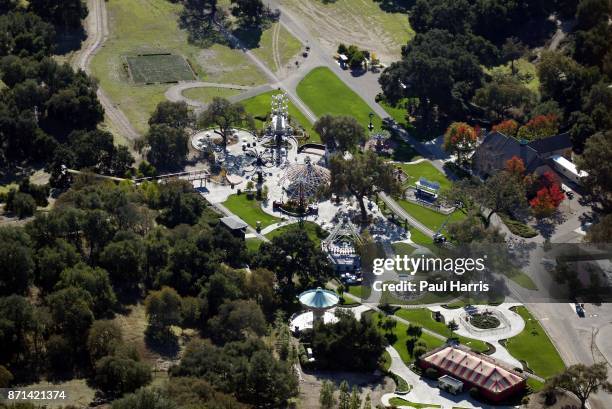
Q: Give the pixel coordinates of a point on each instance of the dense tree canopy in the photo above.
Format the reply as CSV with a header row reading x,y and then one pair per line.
x,y
437,68
361,176
342,133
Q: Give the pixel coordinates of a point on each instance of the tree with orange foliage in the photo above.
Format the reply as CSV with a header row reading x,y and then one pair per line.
x,y
538,127
508,127
460,139
515,167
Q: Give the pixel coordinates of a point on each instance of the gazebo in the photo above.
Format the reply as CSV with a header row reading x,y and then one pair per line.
x,y
318,301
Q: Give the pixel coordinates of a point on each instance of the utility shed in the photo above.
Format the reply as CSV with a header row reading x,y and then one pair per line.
x,y
235,225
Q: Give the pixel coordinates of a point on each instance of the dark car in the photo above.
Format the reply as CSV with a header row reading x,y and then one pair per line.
x,y
580,310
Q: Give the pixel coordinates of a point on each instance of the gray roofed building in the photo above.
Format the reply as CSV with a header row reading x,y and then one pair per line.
x,y
235,225
496,149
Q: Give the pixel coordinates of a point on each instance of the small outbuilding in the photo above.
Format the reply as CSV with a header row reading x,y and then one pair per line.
x,y
449,384
235,225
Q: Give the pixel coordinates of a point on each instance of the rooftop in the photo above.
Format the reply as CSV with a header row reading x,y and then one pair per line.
x,y
233,223
476,369
319,298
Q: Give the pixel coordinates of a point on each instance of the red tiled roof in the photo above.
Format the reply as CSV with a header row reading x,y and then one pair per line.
x,y
477,370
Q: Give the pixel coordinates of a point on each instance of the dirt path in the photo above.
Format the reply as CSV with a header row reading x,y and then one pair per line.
x,y
96,25
275,53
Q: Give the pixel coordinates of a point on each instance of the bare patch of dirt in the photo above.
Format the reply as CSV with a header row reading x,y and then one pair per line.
x,y
310,386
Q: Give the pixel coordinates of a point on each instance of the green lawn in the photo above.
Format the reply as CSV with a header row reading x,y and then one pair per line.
x,y
249,210
400,344
314,232
287,47
253,244
404,402
419,238
140,26
429,217
397,112
423,318
523,280
403,249
206,94
427,170
259,107
325,93
533,347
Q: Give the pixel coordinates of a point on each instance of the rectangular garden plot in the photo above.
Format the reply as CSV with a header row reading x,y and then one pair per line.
x,y
158,68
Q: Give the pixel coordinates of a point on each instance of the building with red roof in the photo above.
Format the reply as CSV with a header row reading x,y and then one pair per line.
x,y
494,381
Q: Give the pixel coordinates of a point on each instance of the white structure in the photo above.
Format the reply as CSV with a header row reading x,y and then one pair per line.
x,y
303,180
568,169
449,384
340,246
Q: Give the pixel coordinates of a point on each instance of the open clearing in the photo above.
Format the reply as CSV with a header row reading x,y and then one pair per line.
x,y
259,107
325,93
158,68
359,22
150,26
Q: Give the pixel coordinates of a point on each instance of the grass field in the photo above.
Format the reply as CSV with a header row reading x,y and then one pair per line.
x,y
403,249
147,26
249,210
312,230
423,318
206,94
403,402
429,217
419,238
359,22
533,347
259,107
400,344
287,47
325,93
525,69
253,244
427,170
158,68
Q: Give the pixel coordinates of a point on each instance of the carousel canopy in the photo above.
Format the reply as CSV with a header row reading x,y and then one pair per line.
x,y
303,180
319,298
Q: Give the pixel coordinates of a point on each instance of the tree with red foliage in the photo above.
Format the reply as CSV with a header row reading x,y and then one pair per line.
x,y
460,139
538,127
548,195
508,127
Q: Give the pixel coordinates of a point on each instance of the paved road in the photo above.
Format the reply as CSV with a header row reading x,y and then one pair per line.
x,y
96,25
